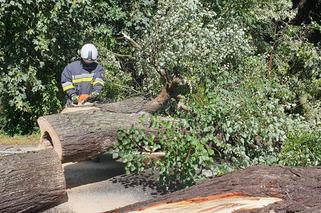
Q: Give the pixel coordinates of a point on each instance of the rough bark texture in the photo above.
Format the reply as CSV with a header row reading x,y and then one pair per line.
x,y
84,134
30,181
169,91
299,188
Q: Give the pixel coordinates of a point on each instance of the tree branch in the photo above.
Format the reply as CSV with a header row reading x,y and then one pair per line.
x,y
134,43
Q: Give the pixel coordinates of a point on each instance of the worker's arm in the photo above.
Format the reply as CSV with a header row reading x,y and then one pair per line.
x,y
66,82
99,80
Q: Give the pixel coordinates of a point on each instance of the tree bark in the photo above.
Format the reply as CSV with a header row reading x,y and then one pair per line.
x,y
258,188
30,181
84,132
83,135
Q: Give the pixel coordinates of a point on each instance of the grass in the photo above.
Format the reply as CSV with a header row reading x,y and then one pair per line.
x,y
19,139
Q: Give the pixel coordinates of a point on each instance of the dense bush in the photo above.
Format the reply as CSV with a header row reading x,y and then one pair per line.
x,y
37,40
253,79
185,39
302,149
186,155
236,122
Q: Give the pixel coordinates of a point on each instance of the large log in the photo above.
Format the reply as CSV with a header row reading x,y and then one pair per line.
x,y
84,132
80,135
255,189
83,135
30,181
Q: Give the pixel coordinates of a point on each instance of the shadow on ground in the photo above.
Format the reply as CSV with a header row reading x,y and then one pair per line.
x,y
86,172
101,186
146,180
105,168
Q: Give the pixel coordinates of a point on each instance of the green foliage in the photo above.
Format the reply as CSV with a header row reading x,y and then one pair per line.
x,y
251,11
254,82
186,155
296,65
185,39
302,149
37,39
253,79
139,15
241,115
128,150
119,84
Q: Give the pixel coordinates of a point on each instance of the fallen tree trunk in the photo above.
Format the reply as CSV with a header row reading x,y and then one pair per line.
x,y
255,189
30,181
82,133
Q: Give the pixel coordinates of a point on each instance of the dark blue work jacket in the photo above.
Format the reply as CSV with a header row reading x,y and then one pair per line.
x,y
79,78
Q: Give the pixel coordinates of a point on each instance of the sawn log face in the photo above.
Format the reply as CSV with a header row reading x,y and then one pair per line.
x,y
299,188
31,181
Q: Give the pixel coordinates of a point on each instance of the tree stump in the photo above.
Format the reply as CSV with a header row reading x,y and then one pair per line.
x,y
255,189
30,181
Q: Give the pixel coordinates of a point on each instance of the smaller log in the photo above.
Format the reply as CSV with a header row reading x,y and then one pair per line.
x,y
30,181
260,189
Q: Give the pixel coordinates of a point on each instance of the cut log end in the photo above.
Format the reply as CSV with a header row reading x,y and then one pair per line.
x,y
255,189
49,137
222,203
78,109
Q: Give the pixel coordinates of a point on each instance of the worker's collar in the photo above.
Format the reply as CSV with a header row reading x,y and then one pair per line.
x,y
89,67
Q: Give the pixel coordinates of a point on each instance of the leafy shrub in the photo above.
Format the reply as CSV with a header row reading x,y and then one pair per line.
x,y
249,74
184,39
37,40
302,149
186,155
234,121
119,83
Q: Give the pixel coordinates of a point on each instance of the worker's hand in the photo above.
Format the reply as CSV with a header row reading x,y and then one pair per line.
x,y
74,99
82,98
93,97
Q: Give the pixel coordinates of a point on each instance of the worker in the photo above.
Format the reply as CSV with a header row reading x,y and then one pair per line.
x,y
83,79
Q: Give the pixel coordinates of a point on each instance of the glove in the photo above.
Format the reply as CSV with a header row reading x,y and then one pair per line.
x,y
74,99
83,98
93,97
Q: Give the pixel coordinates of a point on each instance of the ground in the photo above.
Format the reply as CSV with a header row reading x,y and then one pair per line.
x,y
101,186
92,186
18,139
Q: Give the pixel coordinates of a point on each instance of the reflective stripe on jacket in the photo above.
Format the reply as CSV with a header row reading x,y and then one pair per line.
x,y
80,78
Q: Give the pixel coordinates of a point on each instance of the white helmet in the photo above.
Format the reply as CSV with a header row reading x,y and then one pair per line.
x,y
89,52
